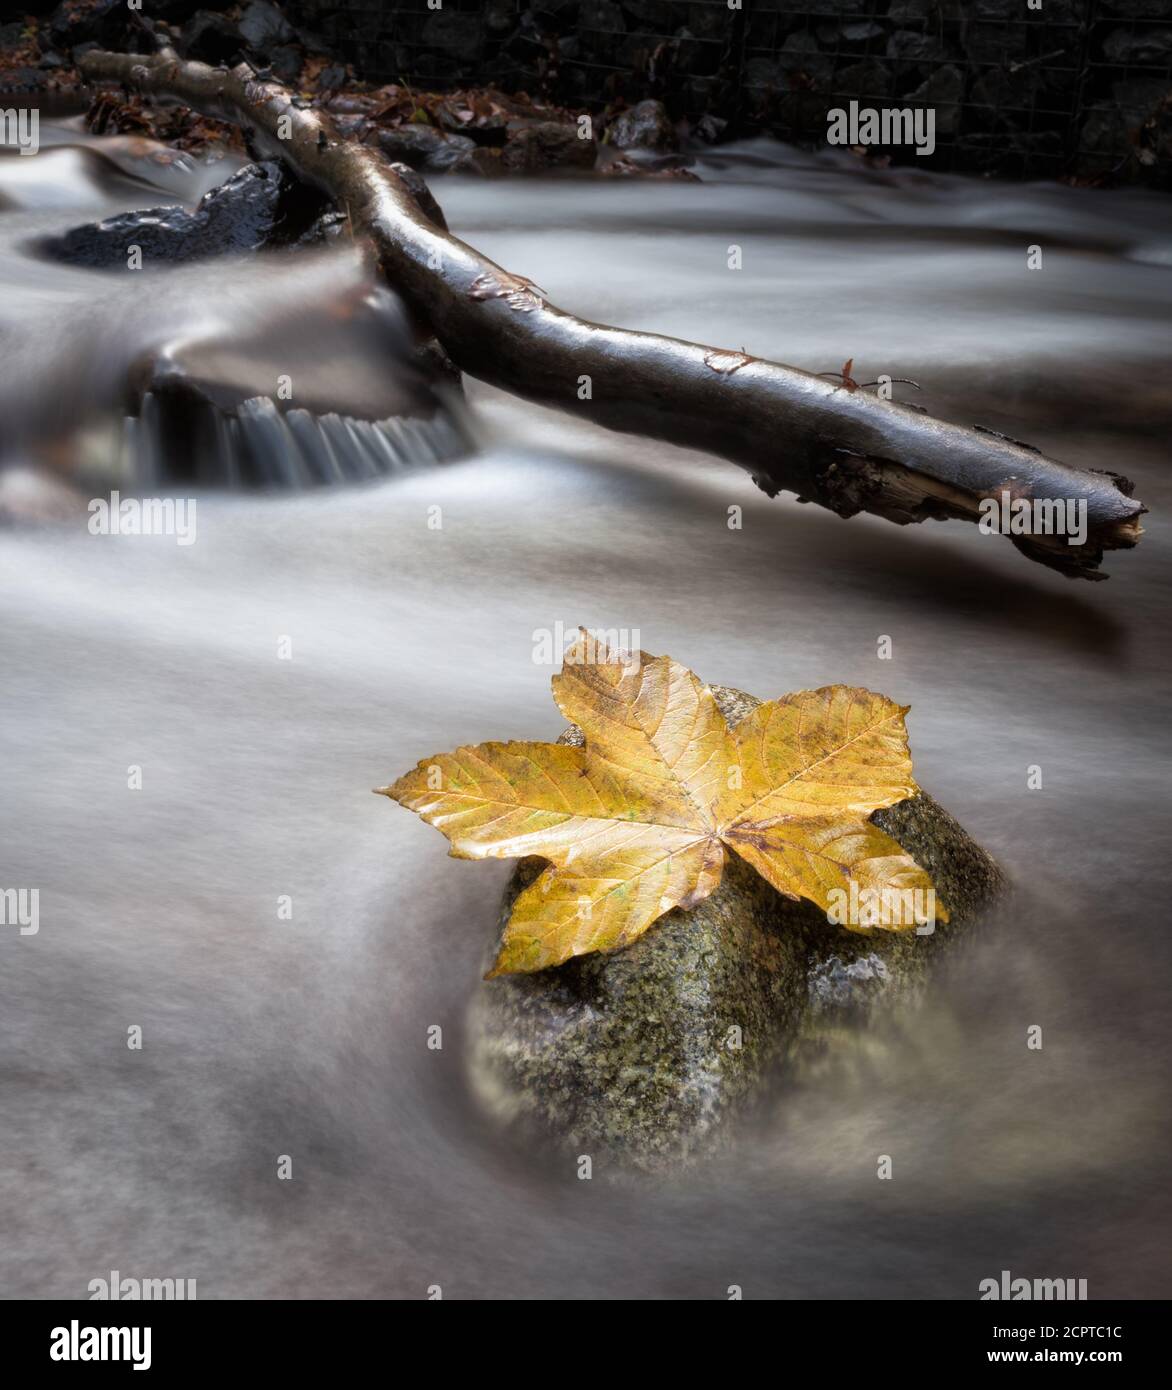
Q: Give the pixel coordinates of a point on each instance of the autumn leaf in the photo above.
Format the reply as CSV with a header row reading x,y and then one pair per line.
x,y
639,820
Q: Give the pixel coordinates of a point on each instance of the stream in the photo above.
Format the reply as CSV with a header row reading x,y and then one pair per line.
x,y
315,642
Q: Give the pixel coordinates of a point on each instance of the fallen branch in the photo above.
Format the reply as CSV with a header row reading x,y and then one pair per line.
x,y
844,449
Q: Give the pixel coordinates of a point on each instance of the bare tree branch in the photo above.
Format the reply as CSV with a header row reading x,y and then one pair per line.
x,y
841,448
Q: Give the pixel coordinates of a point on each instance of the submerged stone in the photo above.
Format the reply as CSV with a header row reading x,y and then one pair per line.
x,y
644,1055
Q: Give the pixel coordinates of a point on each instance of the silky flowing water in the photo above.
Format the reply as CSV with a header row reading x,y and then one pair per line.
x,y
307,1037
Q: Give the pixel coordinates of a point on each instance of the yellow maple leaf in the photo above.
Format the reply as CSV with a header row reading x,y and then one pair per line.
x,y
638,821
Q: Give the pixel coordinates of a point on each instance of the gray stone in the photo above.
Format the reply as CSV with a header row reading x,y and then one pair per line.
x,y
210,38
601,16
456,155
653,14
423,146
548,145
763,72
265,27
910,46
801,53
1138,9
646,126
869,79
630,1056
456,33
710,21
942,91
1150,48
258,206
909,11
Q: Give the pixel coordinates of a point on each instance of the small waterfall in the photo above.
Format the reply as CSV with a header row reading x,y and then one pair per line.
x,y
264,448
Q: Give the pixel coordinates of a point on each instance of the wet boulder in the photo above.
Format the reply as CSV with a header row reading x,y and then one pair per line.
x,y
210,38
264,27
106,22
548,145
286,60
642,1057
645,126
425,147
258,206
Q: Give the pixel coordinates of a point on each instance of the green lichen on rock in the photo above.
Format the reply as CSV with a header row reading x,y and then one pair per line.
x,y
644,1054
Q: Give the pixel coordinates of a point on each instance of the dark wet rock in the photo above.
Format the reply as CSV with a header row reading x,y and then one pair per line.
x,y
1138,9
499,16
456,33
942,91
107,22
351,125
548,145
861,31
23,80
1143,96
763,73
1109,139
210,38
264,28
526,44
286,60
1139,47
998,96
644,1055
256,207
422,145
868,79
697,57
331,225
331,78
801,52
645,126
997,42
710,129
656,15
1013,152
911,46
601,16
457,155
909,12
709,21
171,11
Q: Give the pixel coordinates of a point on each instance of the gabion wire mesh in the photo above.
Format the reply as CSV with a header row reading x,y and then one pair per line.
x,y
1071,87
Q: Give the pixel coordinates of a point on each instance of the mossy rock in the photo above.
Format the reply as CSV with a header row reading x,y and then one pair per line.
x,y
643,1055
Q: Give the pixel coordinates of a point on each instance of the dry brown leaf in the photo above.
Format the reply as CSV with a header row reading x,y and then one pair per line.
x,y
638,821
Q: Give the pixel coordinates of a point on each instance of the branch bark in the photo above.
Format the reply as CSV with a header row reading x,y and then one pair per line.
x,y
843,449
